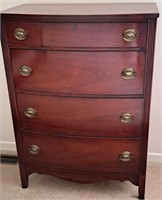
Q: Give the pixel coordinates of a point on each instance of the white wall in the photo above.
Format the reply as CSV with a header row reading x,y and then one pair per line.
x,y
7,141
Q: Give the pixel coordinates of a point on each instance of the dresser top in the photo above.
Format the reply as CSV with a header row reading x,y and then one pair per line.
x,y
86,9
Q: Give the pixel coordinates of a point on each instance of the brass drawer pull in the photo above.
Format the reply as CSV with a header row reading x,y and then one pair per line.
x,y
128,73
130,34
126,118
34,149
20,34
125,156
30,112
25,70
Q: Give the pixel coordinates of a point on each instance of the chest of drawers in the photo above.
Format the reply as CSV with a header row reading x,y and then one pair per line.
x,y
79,80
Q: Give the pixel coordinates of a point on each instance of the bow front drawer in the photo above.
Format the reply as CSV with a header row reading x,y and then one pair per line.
x,y
81,116
89,35
81,154
83,73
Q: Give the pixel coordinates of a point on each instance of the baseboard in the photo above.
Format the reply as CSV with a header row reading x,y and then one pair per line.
x,y
154,157
11,146
7,146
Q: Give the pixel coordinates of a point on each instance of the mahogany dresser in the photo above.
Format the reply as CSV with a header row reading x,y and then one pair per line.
x,y
79,79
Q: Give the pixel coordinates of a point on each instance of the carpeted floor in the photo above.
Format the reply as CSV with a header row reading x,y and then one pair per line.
x,y
44,187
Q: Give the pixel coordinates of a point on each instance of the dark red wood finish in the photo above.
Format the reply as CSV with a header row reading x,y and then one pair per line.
x,y
77,34
55,33
97,155
147,100
82,177
81,116
79,72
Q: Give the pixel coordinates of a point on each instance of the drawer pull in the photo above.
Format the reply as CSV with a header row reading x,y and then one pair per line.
x,y
25,70
30,112
126,118
128,73
130,34
20,34
125,156
34,149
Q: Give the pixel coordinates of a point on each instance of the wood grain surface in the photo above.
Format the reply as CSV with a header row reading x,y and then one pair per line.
x,y
81,116
77,34
81,154
81,73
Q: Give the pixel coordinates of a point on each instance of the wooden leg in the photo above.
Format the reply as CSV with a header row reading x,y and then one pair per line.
x,y
141,189
24,177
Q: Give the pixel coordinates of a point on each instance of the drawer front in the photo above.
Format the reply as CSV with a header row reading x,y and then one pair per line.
x,y
81,154
80,116
76,34
79,72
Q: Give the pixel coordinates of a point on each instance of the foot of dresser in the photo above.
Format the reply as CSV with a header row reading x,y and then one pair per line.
x,y
141,192
24,177
141,189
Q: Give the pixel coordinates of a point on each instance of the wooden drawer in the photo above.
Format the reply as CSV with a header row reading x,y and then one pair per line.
x,y
80,116
77,34
79,72
81,154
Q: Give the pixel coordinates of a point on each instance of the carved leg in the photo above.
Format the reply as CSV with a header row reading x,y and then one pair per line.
x,y
141,189
24,176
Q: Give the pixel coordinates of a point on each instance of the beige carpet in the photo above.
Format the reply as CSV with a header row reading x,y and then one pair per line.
x,y
44,187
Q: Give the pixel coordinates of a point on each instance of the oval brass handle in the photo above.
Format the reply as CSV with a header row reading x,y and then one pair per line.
x,y
130,34
128,73
126,118
125,156
30,112
34,149
20,34
25,70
